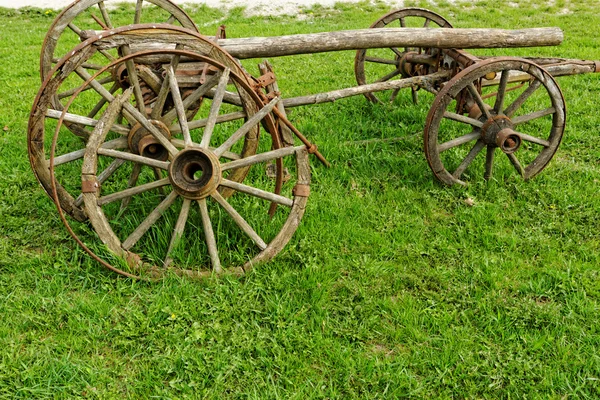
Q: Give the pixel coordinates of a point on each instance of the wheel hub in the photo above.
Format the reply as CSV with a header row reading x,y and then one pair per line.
x,y
142,142
497,131
195,173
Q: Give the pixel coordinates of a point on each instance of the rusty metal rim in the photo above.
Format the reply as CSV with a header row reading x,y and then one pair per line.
x,y
269,121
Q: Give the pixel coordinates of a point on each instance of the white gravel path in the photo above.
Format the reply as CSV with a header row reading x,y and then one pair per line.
x,y
265,7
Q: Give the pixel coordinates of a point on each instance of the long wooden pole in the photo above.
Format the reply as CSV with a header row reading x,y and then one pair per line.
x,y
444,38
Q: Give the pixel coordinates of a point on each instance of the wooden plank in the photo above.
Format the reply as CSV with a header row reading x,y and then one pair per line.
x,y
390,37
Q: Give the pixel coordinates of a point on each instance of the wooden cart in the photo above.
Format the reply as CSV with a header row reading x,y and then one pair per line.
x,y
140,128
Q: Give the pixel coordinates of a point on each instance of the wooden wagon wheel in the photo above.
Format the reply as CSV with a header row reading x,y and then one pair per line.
x,y
152,99
512,104
77,20
150,235
380,65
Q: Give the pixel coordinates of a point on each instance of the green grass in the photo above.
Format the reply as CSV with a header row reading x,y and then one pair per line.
x,y
393,286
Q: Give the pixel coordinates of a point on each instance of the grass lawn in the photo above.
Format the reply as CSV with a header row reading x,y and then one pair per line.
x,y
393,285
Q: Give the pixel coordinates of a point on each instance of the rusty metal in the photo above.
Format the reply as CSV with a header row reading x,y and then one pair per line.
x,y
89,186
301,190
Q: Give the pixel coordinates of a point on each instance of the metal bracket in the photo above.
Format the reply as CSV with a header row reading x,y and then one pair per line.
x,y
301,190
89,186
265,80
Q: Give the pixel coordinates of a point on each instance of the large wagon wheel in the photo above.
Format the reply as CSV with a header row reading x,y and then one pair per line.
x,y
503,103
151,100
77,20
194,174
380,65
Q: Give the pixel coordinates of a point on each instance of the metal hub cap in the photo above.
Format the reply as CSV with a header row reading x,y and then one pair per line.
x,y
195,173
145,144
497,131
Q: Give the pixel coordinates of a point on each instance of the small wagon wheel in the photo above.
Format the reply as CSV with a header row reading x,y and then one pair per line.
x,y
380,65
152,99
150,234
75,23
506,103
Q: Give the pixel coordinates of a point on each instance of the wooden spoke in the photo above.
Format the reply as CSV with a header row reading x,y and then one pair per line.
x,y
489,162
427,22
510,110
469,159
104,175
262,157
132,191
402,22
394,95
104,13
389,76
461,118
189,100
119,143
78,119
458,141
414,94
240,133
202,122
214,109
477,97
134,80
178,230
171,19
133,179
534,115
102,101
499,104
241,222
396,51
533,139
75,29
138,12
149,221
261,194
187,138
159,104
70,92
228,154
515,162
134,157
209,235
378,60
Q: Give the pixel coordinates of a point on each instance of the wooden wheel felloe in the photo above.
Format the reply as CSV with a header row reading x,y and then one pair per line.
x,y
75,23
151,94
380,65
503,105
187,227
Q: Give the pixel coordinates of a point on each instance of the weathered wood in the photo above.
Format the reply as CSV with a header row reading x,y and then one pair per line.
x,y
248,125
240,221
373,87
293,220
209,236
390,37
287,136
214,109
261,157
261,194
149,221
